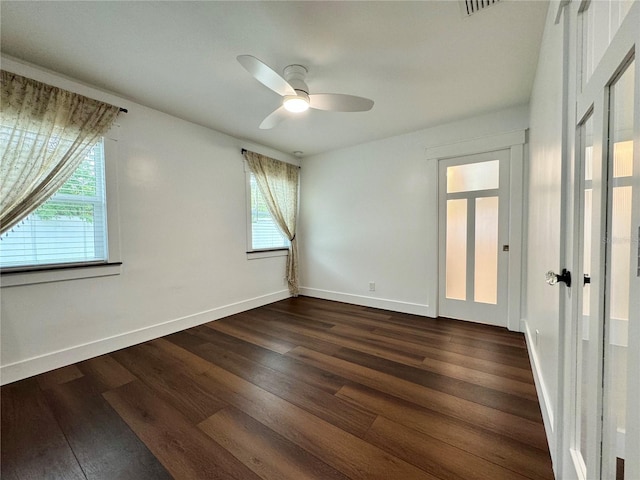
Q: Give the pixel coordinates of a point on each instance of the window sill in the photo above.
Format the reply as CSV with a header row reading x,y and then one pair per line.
x,y
58,274
276,252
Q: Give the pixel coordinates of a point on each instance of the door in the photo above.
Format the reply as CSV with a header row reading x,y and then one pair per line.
x,y
620,254
588,371
473,229
605,425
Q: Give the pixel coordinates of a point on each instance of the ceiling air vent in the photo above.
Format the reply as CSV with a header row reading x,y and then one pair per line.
x,y
469,7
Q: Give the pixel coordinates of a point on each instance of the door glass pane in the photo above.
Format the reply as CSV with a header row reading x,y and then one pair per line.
x,y
456,249
473,176
620,250
486,251
619,254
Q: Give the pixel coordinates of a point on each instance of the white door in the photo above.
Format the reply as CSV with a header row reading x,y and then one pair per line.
x,y
620,254
605,436
588,330
473,228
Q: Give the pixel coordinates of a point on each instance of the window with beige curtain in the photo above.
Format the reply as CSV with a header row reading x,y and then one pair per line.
x,y
264,234
46,133
278,182
50,142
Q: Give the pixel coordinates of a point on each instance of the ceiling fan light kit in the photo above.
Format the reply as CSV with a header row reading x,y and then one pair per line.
x,y
295,92
296,104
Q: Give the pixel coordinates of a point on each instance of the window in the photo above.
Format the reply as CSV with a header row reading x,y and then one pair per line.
x,y
69,228
263,232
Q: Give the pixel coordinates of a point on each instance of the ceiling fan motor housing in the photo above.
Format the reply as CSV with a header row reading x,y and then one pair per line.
x,y
295,75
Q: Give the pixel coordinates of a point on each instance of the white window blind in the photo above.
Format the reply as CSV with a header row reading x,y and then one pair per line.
x,y
265,233
69,228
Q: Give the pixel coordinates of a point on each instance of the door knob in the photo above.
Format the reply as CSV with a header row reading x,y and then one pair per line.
x,y
552,278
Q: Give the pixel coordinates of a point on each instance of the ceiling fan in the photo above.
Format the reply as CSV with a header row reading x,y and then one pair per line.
x,y
295,92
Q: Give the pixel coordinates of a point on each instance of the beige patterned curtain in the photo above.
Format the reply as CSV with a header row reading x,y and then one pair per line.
x,y
278,182
45,132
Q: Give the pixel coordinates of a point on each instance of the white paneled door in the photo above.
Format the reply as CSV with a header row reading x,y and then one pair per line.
x,y
474,231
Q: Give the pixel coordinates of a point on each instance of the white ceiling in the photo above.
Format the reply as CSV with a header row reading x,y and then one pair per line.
x,y
422,63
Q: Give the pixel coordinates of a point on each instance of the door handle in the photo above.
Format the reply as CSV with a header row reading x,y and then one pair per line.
x,y
552,278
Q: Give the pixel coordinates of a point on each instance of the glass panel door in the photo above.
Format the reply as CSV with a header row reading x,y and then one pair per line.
x,y
473,224
586,389
619,258
608,249
605,440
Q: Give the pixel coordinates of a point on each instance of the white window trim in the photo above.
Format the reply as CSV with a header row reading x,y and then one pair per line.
x,y
113,265
280,252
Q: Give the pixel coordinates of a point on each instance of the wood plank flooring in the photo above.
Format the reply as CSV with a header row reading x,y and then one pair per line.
x,y
299,389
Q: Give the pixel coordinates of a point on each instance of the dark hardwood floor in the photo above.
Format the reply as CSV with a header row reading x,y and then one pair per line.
x,y
299,389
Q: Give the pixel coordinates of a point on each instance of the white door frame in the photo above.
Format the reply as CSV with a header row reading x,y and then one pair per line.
x,y
515,142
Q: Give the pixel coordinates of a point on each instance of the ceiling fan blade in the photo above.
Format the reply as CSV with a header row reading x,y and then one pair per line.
x,y
265,75
274,118
338,102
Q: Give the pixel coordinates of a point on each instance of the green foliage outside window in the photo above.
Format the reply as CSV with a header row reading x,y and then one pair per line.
x,y
81,184
55,210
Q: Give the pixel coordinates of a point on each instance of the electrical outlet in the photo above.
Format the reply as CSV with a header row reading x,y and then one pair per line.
x,y
372,286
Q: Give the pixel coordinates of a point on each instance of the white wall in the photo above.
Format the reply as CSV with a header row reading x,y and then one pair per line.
x,y
369,212
542,312
183,243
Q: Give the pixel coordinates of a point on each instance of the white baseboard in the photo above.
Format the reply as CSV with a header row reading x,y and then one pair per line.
x,y
382,303
543,394
50,361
